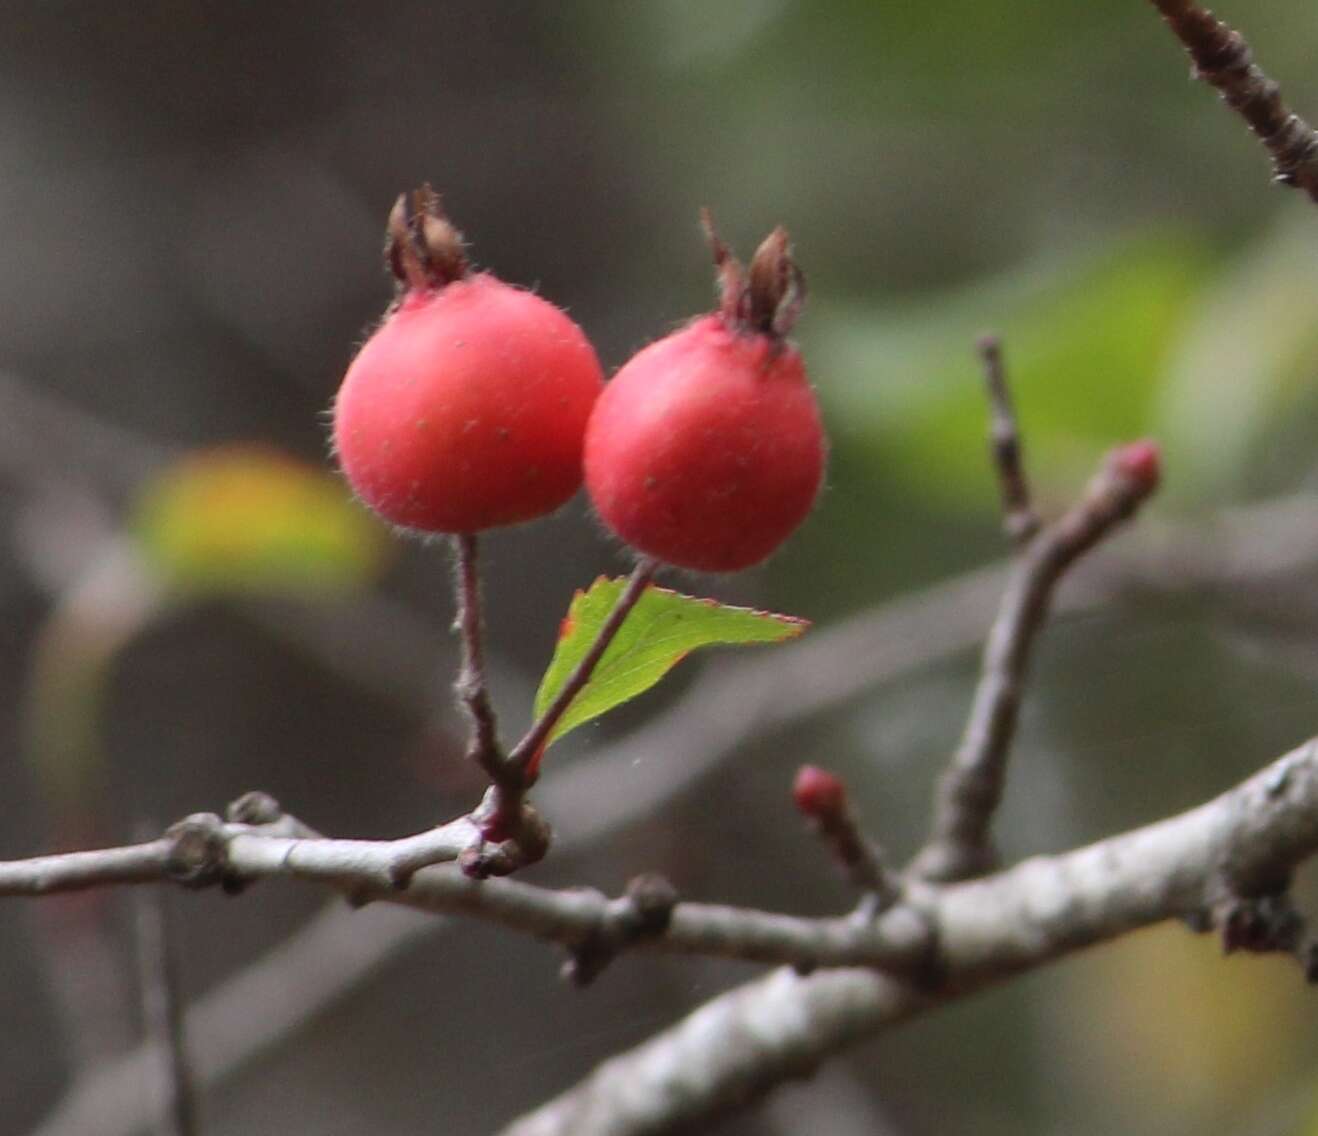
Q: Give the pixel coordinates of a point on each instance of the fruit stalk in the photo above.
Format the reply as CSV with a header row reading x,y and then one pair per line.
x,y
471,686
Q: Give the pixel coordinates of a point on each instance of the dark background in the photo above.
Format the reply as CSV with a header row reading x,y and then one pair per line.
x,y
192,196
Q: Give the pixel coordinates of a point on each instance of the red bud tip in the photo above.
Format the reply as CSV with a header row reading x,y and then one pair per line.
x,y
1141,462
818,793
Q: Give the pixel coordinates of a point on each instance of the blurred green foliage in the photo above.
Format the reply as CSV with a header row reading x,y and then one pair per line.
x,y
904,382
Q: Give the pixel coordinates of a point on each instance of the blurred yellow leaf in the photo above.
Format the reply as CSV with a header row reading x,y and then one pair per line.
x,y
1169,1034
249,518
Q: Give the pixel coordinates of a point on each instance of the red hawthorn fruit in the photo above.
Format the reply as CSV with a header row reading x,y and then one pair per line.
x,y
706,450
467,407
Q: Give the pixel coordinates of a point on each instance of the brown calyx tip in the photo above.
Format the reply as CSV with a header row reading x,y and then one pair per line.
x,y
728,273
768,297
422,247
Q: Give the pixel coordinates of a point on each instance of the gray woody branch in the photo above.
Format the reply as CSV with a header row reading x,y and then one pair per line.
x,y
202,850
1225,864
1208,866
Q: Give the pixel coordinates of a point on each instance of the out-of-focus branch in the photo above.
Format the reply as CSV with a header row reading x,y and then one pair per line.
x,y
836,1102
247,1015
1223,58
1241,846
162,1013
968,794
1018,516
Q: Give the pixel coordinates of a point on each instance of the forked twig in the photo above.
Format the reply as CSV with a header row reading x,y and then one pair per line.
x,y
968,794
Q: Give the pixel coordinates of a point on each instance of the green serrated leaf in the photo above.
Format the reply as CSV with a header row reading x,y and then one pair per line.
x,y
658,634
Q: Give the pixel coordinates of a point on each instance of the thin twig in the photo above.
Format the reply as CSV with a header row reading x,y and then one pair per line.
x,y
1018,516
1223,58
968,794
244,1017
823,799
526,753
163,1012
471,686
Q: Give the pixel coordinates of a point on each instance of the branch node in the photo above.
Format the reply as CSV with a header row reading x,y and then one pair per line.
x,y
644,911
1265,922
504,842
652,898
199,856
1259,925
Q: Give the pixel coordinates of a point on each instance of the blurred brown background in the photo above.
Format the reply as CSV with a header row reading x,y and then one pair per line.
x,y
192,196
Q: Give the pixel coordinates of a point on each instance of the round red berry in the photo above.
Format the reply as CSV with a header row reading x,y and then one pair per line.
x,y
706,450
467,406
